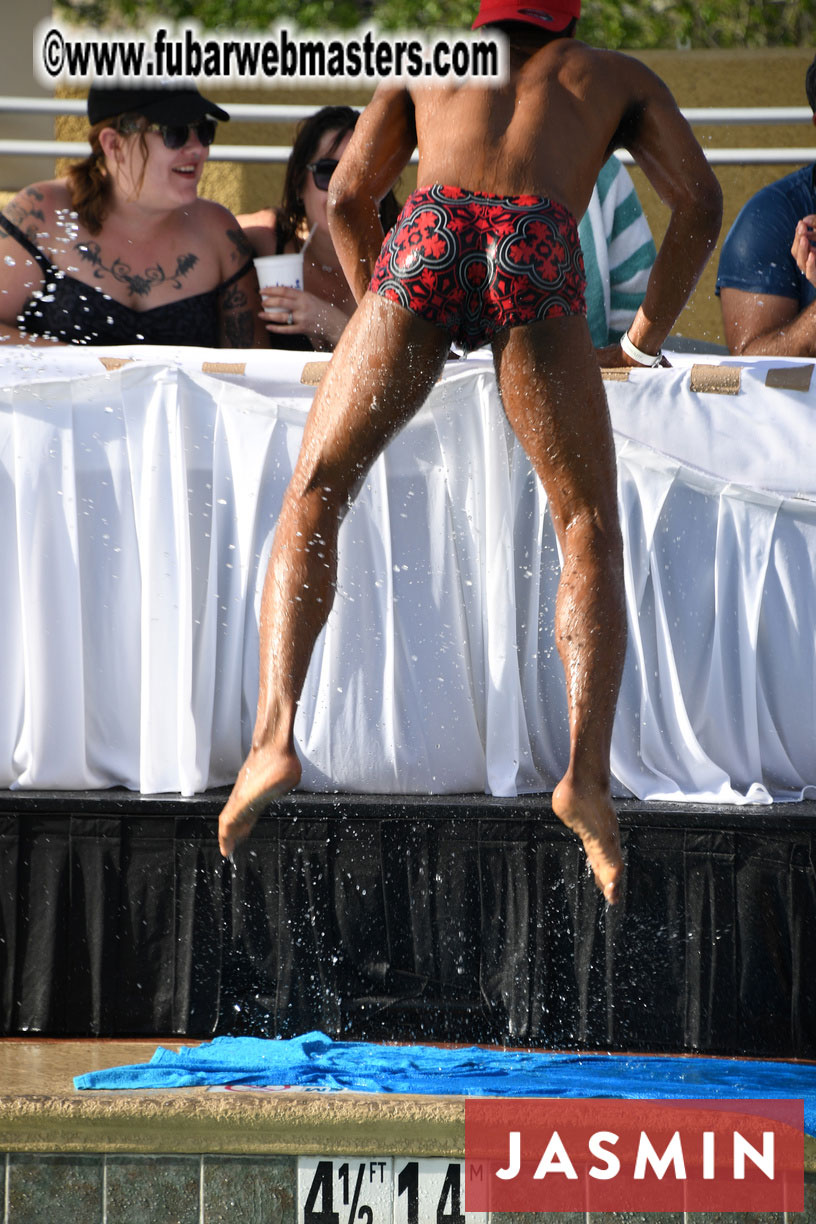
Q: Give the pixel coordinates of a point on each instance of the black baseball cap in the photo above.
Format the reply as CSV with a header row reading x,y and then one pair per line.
x,y
161,104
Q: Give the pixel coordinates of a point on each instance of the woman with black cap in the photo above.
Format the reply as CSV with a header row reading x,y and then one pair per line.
x,y
122,250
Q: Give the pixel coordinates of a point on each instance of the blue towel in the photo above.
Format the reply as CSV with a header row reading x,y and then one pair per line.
x,y
315,1061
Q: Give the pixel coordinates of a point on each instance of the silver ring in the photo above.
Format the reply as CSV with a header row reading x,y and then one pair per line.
x,y
291,319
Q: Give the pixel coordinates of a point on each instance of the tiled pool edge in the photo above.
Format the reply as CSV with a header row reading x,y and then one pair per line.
x,y
198,1157
51,1188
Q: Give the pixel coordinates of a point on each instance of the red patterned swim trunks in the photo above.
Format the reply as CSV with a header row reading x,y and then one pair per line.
x,y
475,264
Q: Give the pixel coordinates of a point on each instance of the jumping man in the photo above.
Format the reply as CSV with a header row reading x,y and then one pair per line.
x,y
486,250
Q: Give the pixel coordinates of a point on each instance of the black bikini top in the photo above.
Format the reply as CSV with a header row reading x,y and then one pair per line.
x,y
71,310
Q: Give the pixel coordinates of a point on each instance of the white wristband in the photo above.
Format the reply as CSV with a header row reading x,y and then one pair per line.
x,y
644,359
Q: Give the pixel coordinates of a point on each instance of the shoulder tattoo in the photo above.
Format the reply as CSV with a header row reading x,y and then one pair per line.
x,y
242,248
27,214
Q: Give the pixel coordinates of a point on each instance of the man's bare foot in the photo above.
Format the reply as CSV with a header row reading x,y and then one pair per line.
x,y
593,818
265,775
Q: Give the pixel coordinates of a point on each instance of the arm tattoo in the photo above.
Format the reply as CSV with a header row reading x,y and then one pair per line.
x,y
237,323
239,330
235,298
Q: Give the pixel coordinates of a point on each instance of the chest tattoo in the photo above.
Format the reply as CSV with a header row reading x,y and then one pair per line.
x,y
138,283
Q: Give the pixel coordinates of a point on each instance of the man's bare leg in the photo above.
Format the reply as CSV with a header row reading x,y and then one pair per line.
x,y
553,395
382,370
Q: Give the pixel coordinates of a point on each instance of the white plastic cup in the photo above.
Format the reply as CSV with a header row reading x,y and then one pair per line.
x,y
274,270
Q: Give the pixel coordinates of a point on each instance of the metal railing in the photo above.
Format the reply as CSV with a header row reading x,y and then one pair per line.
x,y
281,113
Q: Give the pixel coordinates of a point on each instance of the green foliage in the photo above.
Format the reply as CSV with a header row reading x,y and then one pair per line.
x,y
638,24
698,23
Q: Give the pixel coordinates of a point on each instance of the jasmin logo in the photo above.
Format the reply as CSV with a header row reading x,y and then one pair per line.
x,y
612,1155
556,1159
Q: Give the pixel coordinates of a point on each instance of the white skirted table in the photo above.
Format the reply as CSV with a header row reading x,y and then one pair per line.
x,y
139,490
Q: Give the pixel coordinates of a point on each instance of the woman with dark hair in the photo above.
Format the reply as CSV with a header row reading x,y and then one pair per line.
x,y
312,317
122,250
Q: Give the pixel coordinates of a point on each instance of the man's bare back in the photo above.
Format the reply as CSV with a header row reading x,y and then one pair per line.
x,y
545,133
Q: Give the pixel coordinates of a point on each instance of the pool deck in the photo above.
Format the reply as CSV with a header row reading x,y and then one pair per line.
x,y
41,1111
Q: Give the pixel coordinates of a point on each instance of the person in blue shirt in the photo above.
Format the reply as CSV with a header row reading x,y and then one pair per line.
x,y
766,296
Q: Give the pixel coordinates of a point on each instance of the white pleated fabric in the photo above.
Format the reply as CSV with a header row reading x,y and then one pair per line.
x,y
137,509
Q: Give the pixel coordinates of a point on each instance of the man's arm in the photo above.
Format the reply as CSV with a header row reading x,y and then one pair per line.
x,y
764,324
664,146
380,148
765,262
774,325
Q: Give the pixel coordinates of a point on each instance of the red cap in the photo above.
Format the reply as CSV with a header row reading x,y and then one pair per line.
x,y
552,15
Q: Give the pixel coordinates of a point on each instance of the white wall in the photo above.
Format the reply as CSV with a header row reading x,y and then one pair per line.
x,y
20,17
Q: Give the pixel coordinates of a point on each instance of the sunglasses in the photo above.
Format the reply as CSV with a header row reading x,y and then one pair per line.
x,y
175,135
322,170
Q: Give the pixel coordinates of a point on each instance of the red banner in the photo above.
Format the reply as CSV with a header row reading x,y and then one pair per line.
x,y
615,1155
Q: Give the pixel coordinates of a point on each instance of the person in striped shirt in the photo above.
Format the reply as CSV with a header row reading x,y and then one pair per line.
x,y
618,254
